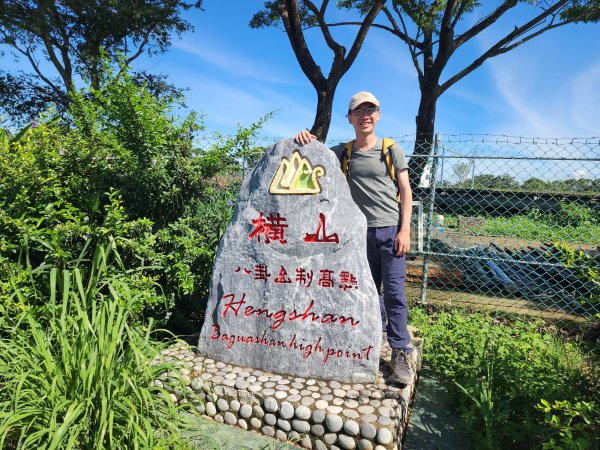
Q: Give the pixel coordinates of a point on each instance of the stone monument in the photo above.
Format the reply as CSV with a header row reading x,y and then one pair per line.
x,y
291,290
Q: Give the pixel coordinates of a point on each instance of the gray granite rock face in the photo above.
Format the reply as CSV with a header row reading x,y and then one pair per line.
x,y
291,290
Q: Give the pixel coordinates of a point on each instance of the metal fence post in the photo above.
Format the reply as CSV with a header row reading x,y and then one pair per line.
x,y
429,222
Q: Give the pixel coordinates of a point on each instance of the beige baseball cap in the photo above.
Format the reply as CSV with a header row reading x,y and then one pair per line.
x,y
362,97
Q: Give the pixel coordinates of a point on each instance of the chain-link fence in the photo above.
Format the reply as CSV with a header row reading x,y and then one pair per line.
x,y
508,224
505,224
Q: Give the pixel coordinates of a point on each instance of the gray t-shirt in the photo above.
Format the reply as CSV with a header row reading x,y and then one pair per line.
x,y
370,184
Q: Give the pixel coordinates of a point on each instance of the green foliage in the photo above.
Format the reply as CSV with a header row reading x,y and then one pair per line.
x,y
581,185
574,223
574,425
188,247
486,181
81,377
462,171
499,370
128,140
586,266
576,215
271,16
122,165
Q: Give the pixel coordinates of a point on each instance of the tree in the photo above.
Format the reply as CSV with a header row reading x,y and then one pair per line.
x,y
488,181
23,99
535,184
296,16
434,36
461,170
73,36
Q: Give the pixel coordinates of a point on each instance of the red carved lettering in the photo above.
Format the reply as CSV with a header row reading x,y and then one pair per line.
x,y
279,317
232,339
282,277
307,349
232,304
347,281
321,235
271,227
328,353
304,277
295,343
342,320
329,318
325,280
307,312
261,272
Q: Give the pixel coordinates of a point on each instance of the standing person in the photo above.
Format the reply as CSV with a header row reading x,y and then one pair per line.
x,y
388,222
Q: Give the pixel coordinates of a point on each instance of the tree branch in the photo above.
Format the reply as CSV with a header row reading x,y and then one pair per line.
x,y
459,13
485,23
414,43
320,15
394,31
447,17
446,42
362,33
502,46
37,70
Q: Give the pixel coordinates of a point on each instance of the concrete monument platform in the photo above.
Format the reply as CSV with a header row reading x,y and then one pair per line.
x,y
310,412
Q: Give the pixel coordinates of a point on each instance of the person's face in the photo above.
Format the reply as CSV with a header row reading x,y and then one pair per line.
x,y
364,118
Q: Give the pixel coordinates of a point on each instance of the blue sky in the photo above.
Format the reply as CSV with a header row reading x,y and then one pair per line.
x,y
549,87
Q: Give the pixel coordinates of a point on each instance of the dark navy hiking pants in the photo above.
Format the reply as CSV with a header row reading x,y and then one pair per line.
x,y
389,269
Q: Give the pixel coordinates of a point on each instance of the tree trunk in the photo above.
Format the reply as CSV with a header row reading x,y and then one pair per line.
x,y
322,121
425,122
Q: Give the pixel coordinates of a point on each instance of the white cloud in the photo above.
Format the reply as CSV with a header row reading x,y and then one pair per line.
x,y
514,82
227,104
233,63
543,104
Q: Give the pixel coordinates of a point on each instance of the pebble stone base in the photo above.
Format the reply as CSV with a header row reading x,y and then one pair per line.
x,y
312,413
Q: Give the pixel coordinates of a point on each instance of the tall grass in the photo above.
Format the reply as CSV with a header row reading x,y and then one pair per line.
x,y
81,377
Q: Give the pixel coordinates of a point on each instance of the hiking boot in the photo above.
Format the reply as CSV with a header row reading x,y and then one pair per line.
x,y
400,368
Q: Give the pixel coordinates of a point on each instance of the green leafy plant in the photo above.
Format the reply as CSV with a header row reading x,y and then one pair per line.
x,y
586,266
497,370
81,377
574,425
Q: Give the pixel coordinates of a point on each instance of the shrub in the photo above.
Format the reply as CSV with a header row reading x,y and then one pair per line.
x,y
124,165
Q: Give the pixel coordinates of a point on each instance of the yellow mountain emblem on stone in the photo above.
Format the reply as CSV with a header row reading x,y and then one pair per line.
x,y
297,176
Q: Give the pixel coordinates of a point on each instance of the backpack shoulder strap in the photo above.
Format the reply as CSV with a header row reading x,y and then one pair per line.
x,y
346,155
388,156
